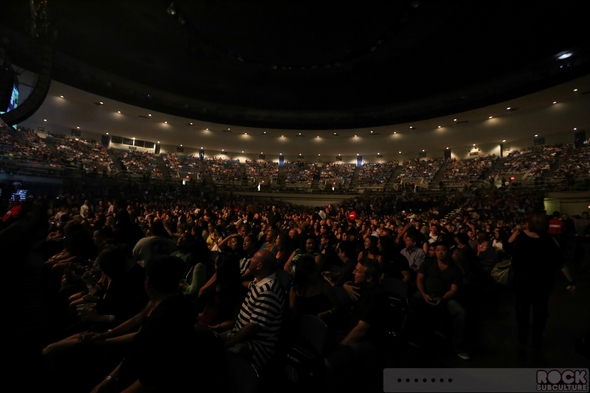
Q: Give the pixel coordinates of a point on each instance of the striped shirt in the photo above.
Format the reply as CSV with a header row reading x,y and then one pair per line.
x,y
263,306
244,265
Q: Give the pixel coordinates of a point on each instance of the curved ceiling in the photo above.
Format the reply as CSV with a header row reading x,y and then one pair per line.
x,y
308,64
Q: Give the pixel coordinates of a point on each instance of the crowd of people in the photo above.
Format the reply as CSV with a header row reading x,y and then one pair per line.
x,y
419,170
235,273
376,173
534,161
337,173
25,146
461,171
530,164
298,174
138,163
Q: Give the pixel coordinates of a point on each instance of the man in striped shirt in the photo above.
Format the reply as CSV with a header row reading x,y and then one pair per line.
x,y
259,322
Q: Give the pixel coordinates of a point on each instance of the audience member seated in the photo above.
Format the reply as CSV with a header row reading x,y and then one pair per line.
x,y
222,295
256,332
310,293
438,283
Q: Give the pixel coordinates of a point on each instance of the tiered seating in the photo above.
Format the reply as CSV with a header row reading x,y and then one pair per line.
x,y
76,152
25,146
375,174
139,163
260,169
222,170
182,165
576,165
533,161
461,171
299,174
338,173
420,170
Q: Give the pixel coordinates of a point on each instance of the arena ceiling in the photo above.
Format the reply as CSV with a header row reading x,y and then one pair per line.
x,y
307,65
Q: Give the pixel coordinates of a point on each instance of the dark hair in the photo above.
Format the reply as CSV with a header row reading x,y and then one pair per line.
x,y
164,273
306,268
157,229
537,222
228,273
113,260
348,249
463,238
373,269
305,239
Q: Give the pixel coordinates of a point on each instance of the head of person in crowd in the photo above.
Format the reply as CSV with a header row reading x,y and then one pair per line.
x,y
537,222
163,275
309,244
248,244
157,229
367,272
412,238
113,261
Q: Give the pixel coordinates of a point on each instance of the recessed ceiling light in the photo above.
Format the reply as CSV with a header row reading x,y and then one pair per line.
x,y
158,141
438,126
228,129
61,96
261,152
422,149
564,56
536,135
395,132
107,133
318,154
335,134
78,127
118,111
575,89
282,136
317,136
411,127
454,119
355,136
371,131
554,102
508,108
245,133
447,148
190,124
490,117
242,151
133,138
206,129
264,132
101,103
149,114
44,119
400,152
474,144
575,128
357,154
503,140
